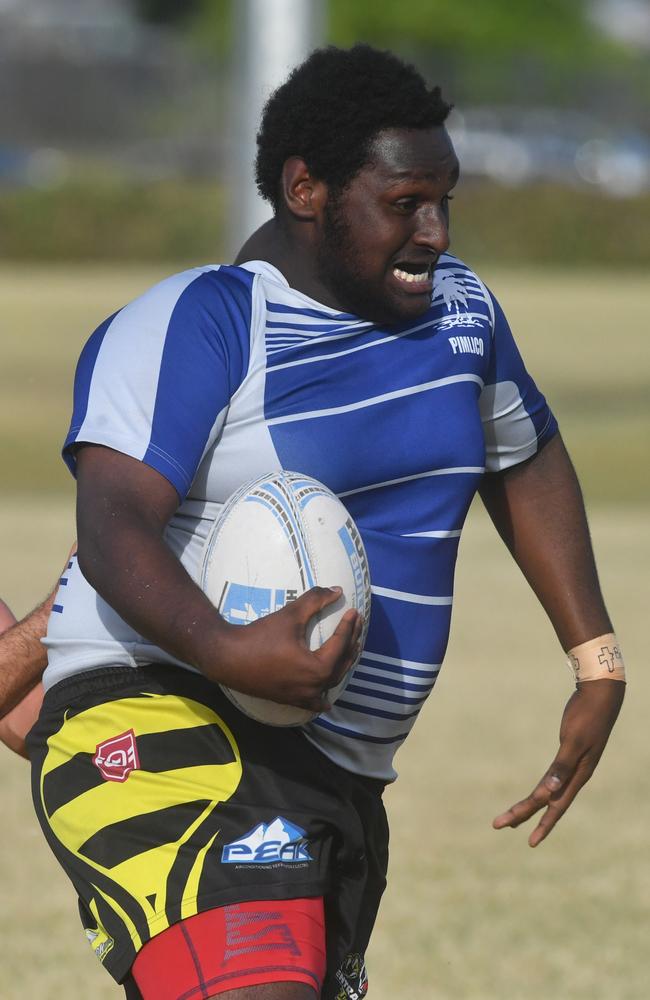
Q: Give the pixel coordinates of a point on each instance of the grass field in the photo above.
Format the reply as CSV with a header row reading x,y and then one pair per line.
x,y
470,914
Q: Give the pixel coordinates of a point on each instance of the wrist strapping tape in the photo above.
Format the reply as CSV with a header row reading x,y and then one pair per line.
x,y
597,658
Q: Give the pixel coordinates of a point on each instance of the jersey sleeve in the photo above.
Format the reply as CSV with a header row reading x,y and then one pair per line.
x,y
155,380
517,420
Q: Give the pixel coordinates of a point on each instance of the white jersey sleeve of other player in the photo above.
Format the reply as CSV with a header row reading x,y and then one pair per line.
x,y
223,374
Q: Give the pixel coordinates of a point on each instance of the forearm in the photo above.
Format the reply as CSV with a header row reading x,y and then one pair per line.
x,y
23,657
123,507
135,572
539,512
18,722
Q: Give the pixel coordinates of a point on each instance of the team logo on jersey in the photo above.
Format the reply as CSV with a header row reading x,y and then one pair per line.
x,y
449,288
352,978
454,295
117,757
457,319
269,844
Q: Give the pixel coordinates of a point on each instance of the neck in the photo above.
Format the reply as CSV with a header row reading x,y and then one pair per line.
x,y
289,248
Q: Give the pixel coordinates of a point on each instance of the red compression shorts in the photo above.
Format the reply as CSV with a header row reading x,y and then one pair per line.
x,y
245,944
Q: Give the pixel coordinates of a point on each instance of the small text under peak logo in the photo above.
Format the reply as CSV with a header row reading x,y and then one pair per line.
x,y
117,757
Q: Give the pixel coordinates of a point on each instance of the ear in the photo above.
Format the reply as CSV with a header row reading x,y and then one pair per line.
x,y
303,194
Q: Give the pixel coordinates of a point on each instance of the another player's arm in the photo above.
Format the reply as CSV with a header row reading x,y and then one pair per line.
x,y
537,508
23,659
22,662
123,507
22,655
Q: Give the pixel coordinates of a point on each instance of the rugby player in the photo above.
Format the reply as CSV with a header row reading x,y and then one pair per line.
x,y
214,856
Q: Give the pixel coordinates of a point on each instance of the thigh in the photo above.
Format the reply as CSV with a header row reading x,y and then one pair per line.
x,y
268,991
353,901
271,991
162,802
276,948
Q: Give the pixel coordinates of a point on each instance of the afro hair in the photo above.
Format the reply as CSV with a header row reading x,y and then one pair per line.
x,y
332,107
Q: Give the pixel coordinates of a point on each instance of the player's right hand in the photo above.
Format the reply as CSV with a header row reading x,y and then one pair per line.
x,y
270,658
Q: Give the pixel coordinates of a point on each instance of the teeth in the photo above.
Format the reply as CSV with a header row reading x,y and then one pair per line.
x,y
406,276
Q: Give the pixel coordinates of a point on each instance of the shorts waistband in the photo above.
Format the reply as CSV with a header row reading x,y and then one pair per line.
x,y
107,678
104,679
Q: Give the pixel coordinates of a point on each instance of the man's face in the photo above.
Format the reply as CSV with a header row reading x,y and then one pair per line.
x,y
382,235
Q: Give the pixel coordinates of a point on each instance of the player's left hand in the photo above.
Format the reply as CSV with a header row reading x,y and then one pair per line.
x,y
587,722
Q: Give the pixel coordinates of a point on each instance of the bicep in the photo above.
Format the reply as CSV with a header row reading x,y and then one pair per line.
x,y
521,492
112,487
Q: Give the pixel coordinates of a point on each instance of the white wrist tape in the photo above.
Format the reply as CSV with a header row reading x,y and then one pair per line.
x,y
599,657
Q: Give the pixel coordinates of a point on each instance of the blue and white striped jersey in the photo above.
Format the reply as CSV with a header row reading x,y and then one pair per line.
x,y
222,374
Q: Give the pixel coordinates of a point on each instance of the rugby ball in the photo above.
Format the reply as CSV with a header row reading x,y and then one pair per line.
x,y
275,538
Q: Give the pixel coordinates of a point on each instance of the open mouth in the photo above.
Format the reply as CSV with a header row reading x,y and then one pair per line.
x,y
418,276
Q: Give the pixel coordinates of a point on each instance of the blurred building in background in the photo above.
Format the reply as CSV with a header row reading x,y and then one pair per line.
x,y
146,91
89,85
626,20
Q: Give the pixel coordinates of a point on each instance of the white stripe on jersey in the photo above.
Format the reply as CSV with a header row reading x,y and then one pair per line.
x,y
339,354
426,669
326,328
453,533
352,350
375,400
295,318
401,595
462,469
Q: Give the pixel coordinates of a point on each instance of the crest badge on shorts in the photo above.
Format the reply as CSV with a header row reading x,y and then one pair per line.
x,y
117,757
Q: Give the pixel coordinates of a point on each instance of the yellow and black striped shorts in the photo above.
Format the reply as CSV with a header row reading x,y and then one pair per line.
x,y
161,800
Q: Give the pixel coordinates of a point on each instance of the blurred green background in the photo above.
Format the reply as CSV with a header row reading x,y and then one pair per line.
x,y
115,149
116,127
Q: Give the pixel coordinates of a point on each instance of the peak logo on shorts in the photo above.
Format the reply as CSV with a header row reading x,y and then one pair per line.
x,y
467,345
117,757
268,844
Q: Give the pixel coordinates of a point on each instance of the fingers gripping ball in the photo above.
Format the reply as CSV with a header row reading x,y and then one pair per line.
x,y
276,538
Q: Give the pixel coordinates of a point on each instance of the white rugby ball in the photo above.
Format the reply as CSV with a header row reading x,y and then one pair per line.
x,y
275,538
